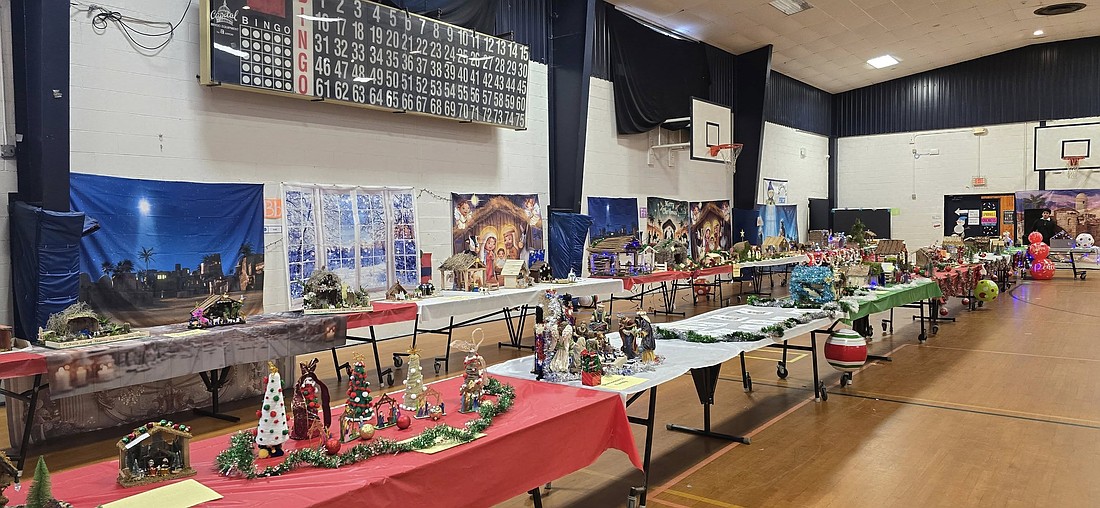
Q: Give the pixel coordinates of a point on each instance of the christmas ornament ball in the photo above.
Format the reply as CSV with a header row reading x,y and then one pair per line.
x,y
403,422
1035,237
966,301
366,432
436,414
943,311
986,290
846,350
264,453
1042,270
1084,241
332,446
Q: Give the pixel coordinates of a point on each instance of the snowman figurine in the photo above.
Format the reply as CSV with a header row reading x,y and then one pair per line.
x,y
960,225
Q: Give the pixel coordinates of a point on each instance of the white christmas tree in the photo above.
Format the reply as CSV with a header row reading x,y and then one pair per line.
x,y
414,383
272,431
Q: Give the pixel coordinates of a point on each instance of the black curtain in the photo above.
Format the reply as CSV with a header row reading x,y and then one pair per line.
x,y
479,15
655,75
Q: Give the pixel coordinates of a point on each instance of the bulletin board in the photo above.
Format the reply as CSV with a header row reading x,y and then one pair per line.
x,y
876,219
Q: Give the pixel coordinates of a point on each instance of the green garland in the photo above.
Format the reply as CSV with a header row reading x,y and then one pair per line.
x,y
772,331
240,457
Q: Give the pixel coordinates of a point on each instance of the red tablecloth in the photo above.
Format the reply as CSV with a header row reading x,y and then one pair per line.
x,y
630,282
384,313
959,280
713,270
13,365
552,430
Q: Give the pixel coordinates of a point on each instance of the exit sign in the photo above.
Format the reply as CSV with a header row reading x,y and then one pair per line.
x,y
978,181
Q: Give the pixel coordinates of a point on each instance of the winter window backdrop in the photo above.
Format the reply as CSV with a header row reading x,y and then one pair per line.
x,y
366,235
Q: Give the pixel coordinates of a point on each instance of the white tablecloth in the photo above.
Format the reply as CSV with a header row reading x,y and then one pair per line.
x,y
437,312
788,260
681,356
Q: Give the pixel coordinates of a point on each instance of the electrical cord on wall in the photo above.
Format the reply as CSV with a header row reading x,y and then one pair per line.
x,y
102,16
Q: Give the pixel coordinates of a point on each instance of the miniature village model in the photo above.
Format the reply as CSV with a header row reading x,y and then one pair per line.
x,y
79,326
155,452
325,293
515,274
616,256
217,310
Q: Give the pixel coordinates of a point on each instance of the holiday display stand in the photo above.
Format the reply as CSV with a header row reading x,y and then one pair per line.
x,y
239,458
310,406
272,430
358,412
414,383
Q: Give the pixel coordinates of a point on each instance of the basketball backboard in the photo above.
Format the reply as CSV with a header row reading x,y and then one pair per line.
x,y
1056,144
711,124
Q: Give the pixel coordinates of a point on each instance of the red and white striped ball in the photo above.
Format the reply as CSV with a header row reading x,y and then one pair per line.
x,y
846,350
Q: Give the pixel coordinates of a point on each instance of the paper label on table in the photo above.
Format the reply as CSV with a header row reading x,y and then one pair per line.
x,y
177,495
620,382
736,270
753,312
442,444
188,333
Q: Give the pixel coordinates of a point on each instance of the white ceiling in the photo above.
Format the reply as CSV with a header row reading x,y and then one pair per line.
x,y
828,46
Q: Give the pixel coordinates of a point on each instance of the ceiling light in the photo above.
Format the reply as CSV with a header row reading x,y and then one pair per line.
x,y
789,7
1059,9
879,62
1038,33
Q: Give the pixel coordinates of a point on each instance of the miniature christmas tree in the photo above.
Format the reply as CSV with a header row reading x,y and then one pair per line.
x,y
272,431
359,399
40,494
858,233
414,383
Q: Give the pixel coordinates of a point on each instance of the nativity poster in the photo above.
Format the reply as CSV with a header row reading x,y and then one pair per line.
x,y
498,226
710,227
667,220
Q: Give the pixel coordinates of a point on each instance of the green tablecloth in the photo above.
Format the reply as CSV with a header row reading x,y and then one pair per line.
x,y
884,300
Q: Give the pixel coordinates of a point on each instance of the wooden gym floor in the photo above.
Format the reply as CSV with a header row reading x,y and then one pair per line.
x,y
999,409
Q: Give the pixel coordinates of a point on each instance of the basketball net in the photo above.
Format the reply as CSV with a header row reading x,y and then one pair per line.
x,y
728,152
1073,164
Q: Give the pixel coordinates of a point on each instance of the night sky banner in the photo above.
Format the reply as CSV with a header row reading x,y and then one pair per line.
x,y
612,217
164,246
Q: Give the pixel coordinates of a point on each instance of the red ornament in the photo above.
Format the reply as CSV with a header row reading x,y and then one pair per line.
x,y
846,350
1035,237
966,301
259,413
1043,270
403,422
1039,251
943,311
332,446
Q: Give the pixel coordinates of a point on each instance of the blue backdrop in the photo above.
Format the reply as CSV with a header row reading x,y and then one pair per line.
x,y
165,245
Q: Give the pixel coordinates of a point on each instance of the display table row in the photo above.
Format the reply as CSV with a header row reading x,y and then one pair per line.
x,y
551,431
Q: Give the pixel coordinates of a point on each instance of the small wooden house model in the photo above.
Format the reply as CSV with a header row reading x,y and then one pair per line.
x,y
515,274
776,244
386,411
397,292
217,310
615,256
540,272
468,271
155,452
818,237
891,248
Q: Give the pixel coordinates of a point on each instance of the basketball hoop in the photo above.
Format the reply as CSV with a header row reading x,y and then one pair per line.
x,y
1073,163
727,151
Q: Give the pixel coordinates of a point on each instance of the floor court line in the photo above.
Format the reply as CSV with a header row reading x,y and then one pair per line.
x,y
971,408
1031,355
652,499
707,500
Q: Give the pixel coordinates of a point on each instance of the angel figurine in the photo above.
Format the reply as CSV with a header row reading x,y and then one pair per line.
x,y
563,342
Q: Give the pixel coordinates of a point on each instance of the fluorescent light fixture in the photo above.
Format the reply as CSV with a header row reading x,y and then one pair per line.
x,y
1038,33
789,7
231,51
879,62
362,79
318,18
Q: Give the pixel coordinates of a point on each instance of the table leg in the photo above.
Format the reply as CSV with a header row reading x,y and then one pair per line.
x,y
30,397
746,379
706,381
647,452
515,333
446,359
214,381
536,496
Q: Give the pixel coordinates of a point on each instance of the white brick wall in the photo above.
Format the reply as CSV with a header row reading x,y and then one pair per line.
x,y
807,175
147,117
8,179
881,172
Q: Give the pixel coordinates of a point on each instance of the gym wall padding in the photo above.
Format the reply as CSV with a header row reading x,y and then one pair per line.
x,y
45,254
